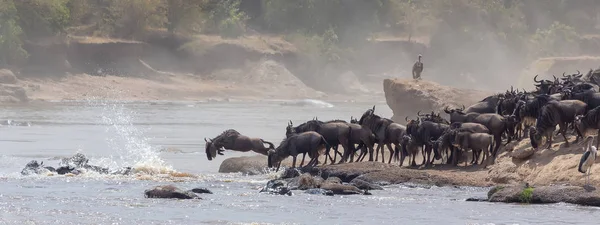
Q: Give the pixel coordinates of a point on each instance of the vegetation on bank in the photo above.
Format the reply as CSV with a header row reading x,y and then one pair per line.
x,y
328,30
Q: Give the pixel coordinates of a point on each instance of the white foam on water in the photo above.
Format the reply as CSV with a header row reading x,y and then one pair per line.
x,y
128,143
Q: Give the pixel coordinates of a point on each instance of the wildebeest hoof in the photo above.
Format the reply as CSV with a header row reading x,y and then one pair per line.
x,y
319,191
169,191
201,191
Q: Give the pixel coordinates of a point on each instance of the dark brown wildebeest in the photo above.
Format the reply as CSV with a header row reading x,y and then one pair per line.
x,y
586,124
232,140
410,149
364,137
554,113
386,131
423,133
476,142
458,115
310,142
487,105
335,132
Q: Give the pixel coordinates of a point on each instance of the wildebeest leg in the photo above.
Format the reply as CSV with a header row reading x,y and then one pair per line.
x,y
549,140
423,153
389,146
428,150
294,161
455,156
302,162
563,131
497,143
363,154
379,145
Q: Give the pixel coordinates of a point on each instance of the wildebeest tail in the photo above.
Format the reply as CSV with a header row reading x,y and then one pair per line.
x,y
324,142
271,145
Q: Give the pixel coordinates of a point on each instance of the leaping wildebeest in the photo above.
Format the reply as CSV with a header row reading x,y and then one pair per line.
x,y
310,142
232,140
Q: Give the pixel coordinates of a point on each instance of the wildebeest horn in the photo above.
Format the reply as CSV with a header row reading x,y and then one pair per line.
x,y
463,107
535,79
406,118
291,122
446,109
578,72
205,140
419,113
373,108
564,74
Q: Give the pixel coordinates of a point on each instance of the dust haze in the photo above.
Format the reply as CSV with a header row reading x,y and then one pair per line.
x,y
342,50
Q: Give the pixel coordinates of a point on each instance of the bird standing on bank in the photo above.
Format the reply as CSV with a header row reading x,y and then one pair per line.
x,y
417,68
587,160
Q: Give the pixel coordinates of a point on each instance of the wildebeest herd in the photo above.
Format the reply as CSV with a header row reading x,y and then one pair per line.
x,y
571,102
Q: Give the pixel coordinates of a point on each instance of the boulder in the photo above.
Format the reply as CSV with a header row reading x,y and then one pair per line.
x,y
249,165
364,185
201,191
13,93
169,191
587,196
7,77
425,96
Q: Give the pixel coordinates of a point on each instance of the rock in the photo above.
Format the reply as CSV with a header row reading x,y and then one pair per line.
x,y
319,191
201,191
304,182
545,194
363,185
33,167
12,93
249,165
522,153
333,180
7,77
290,173
277,186
169,191
476,200
425,96
341,189
346,172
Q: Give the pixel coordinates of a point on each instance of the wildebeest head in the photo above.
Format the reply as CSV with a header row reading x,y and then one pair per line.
x,y
353,120
535,137
436,150
210,149
367,114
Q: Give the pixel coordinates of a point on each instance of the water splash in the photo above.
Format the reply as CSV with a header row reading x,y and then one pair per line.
x,y
131,146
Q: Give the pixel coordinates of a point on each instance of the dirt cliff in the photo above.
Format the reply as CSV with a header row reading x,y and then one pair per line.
x,y
406,97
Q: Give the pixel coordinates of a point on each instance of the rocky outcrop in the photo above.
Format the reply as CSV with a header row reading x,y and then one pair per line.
x,y
406,97
10,91
587,196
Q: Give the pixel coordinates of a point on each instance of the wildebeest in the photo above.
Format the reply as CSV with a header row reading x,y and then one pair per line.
x,y
422,133
476,142
232,140
410,148
543,86
458,115
588,123
487,105
497,125
386,131
590,97
364,137
336,133
554,113
309,142
527,111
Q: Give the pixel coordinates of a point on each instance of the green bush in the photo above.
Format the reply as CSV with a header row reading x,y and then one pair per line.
x,y
527,195
557,40
11,46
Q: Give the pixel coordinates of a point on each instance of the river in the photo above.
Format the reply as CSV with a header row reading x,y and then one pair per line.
x,y
116,134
